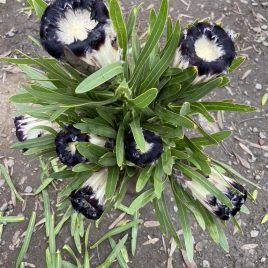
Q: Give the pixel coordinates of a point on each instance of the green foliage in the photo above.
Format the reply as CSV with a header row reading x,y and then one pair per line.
x,y
143,92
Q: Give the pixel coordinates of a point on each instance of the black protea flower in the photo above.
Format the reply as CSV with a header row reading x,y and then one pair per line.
x,y
89,199
26,127
66,141
153,148
230,188
83,26
208,47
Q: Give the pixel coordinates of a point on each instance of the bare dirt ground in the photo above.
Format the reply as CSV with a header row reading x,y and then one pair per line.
x,y
248,86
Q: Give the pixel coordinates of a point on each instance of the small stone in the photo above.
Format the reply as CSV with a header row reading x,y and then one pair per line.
x,y
255,130
263,259
254,233
266,155
257,177
264,27
28,189
206,264
2,182
258,86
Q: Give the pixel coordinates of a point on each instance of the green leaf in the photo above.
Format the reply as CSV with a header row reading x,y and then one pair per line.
x,y
236,63
115,231
234,172
26,240
119,145
90,151
200,90
173,118
222,237
134,233
116,250
158,175
198,107
99,77
120,258
131,23
97,128
38,6
153,39
145,99
23,98
143,178
37,76
163,217
179,154
167,161
11,219
265,219
164,62
186,230
113,176
86,255
64,218
70,252
228,106
264,99
9,182
43,185
107,160
141,201
138,134
119,25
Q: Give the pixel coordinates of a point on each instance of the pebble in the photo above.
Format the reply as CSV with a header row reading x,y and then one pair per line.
x,y
255,130
266,155
257,177
254,233
2,182
258,86
206,264
28,189
263,259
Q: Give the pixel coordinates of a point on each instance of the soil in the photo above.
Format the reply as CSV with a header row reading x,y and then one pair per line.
x,y
247,86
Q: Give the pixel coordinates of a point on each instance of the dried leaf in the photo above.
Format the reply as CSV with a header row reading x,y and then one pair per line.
x,y
249,246
149,224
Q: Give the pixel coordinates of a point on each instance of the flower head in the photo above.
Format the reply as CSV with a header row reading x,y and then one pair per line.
x,y
84,27
26,127
153,148
89,199
206,46
66,141
231,189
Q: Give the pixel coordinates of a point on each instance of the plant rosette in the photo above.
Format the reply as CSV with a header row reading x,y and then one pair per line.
x,y
110,107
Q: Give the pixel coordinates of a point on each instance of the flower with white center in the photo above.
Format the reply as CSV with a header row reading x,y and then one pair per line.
x,y
89,199
83,26
66,141
27,127
152,152
208,47
231,189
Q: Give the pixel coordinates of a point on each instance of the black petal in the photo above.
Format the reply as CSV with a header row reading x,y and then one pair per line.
x,y
135,156
49,28
63,139
187,47
83,202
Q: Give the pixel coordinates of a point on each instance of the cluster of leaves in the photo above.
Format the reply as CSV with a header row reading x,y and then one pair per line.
x,y
141,92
